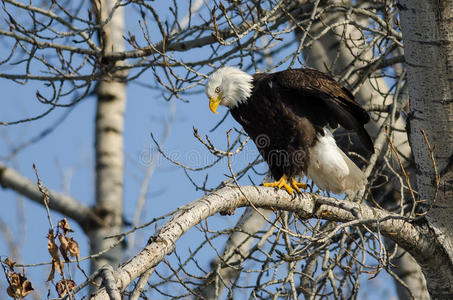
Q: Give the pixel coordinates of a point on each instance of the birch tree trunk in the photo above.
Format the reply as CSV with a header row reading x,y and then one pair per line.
x,y
428,43
111,93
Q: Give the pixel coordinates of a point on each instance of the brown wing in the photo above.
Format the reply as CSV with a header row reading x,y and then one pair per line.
x,y
323,99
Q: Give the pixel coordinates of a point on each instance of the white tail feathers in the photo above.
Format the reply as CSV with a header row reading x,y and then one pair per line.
x,y
330,169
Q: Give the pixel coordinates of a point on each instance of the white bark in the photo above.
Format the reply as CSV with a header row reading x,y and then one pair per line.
x,y
111,92
141,285
428,42
412,237
109,281
411,274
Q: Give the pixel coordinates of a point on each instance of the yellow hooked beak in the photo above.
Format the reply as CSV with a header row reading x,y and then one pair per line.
x,y
214,103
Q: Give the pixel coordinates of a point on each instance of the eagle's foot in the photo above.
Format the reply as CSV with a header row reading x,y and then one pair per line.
x,y
283,183
298,185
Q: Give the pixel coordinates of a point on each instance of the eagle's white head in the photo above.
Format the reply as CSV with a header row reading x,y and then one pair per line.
x,y
229,87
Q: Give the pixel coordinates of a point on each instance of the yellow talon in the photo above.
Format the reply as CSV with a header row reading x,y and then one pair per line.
x,y
298,185
282,183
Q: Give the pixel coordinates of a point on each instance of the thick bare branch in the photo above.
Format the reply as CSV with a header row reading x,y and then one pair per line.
x,y
66,205
305,205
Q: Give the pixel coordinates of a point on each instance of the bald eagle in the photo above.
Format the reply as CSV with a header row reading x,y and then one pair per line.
x,y
288,115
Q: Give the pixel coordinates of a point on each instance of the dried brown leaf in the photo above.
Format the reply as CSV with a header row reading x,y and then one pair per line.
x,y
10,263
14,280
73,248
64,244
11,293
27,288
56,265
64,285
56,262
68,246
19,286
52,246
64,225
52,272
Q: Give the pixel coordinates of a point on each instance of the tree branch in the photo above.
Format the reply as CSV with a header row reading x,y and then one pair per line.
x,y
66,205
306,205
109,281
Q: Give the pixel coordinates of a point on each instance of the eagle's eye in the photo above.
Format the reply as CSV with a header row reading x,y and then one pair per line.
x,y
217,89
